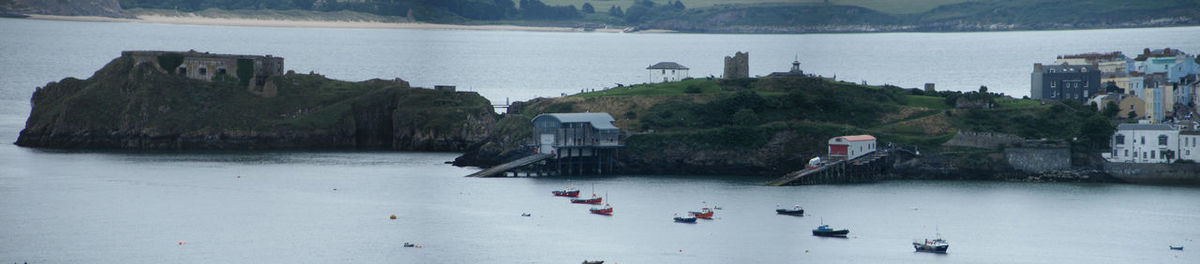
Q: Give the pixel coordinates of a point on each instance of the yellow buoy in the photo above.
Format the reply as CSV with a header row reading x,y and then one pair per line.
x,y
393,217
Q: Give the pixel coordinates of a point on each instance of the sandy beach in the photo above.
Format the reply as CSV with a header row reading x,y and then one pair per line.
x,y
248,22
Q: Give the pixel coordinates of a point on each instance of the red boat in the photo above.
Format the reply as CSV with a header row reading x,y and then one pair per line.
x,y
704,213
593,200
603,210
568,192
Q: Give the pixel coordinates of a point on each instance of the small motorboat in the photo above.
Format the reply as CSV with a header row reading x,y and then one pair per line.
x,y
526,215
602,210
704,213
796,210
688,219
407,244
593,262
568,192
825,231
1176,247
936,245
594,200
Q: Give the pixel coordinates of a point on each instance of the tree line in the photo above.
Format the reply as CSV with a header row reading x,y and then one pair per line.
x,y
423,10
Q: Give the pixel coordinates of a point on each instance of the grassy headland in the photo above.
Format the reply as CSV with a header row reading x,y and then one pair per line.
x,y
771,126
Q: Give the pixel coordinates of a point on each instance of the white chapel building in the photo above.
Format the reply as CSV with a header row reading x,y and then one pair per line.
x,y
667,72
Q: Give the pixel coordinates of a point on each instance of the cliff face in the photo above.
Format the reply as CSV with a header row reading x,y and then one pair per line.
x,y
139,107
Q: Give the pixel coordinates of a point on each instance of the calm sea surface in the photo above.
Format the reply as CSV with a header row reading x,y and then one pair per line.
x,y
333,207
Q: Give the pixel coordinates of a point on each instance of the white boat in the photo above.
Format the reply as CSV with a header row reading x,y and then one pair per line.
x,y
936,245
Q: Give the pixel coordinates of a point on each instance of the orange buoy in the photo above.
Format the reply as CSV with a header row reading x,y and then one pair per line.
x,y
393,217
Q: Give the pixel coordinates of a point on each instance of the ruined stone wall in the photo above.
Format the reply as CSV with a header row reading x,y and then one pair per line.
x,y
737,66
1155,173
1038,160
982,139
205,68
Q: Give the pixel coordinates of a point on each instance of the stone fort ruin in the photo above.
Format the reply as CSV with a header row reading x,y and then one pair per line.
x,y
737,66
251,70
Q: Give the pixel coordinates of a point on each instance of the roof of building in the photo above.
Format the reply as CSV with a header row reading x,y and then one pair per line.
x,y
667,65
602,121
1189,132
1119,74
1070,68
857,138
197,54
1167,52
1095,56
1144,127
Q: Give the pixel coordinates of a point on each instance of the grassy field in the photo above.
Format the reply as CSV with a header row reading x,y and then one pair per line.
x,y
886,6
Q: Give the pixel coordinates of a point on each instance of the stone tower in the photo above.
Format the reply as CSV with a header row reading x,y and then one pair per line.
x,y
737,66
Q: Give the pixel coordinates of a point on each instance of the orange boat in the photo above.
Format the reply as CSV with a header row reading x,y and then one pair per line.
x,y
704,213
603,210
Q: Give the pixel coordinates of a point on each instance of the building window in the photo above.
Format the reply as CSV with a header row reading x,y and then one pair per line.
x,y
182,70
1053,84
221,71
1162,140
1126,153
1120,139
203,71
1152,155
1143,142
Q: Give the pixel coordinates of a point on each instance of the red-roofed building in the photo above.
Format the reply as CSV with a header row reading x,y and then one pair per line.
x,y
851,147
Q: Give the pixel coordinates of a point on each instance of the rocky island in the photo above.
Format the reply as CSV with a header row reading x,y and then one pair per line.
x,y
769,126
193,100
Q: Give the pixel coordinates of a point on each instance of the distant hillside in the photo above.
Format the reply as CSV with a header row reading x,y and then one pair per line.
x,y
965,16
103,8
735,16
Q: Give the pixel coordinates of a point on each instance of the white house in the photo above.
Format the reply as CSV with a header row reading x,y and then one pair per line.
x,y
850,147
1188,146
667,72
1146,143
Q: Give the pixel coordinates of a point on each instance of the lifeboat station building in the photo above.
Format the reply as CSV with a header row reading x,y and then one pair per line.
x,y
581,143
851,147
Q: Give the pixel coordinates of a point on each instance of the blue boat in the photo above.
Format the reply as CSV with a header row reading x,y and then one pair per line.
x,y
689,219
1176,247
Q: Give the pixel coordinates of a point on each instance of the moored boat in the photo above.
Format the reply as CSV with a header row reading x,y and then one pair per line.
x,y
704,213
602,210
594,200
936,245
1176,247
688,219
825,231
796,210
568,192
